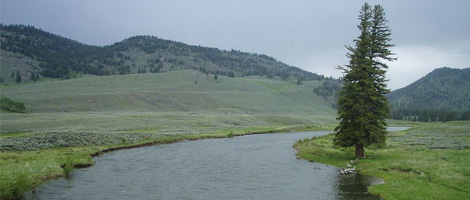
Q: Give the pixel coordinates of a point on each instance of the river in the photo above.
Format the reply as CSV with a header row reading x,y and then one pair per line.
x,y
248,167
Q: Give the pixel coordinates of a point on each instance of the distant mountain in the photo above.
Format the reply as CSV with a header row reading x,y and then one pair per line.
x,y
444,93
32,53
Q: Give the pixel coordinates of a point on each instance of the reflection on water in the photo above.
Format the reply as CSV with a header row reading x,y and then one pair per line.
x,y
351,186
248,167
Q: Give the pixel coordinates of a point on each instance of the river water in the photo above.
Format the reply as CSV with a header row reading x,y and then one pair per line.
x,y
247,167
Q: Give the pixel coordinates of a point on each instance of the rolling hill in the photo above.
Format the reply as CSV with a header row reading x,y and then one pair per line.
x,y
178,91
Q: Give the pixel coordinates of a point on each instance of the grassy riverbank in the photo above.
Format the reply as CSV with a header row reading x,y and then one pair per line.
x,y
429,161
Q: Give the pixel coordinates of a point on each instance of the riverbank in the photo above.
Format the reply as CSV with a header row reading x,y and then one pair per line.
x,y
429,161
22,171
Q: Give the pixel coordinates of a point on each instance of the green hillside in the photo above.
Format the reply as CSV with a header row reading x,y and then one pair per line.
x,y
33,52
442,95
178,91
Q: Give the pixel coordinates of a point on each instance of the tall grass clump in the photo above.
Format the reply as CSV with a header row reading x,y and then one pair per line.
x,y
230,135
21,182
68,166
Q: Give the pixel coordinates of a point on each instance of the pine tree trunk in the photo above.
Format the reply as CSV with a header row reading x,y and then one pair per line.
x,y
360,151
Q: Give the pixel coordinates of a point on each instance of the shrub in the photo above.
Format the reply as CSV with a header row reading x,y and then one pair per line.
x,y
9,105
71,139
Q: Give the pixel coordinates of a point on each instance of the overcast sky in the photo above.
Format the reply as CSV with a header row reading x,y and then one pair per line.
x,y
309,34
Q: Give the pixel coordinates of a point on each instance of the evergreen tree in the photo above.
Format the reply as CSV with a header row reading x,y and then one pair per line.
x,y
18,76
363,108
33,77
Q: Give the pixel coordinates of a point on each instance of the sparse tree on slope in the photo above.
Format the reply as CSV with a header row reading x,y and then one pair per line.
x,y
363,108
18,76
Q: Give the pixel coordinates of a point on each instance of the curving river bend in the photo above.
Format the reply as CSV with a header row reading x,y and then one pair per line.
x,y
248,167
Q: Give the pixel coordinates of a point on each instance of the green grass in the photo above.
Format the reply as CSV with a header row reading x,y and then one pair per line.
x,y
24,170
409,171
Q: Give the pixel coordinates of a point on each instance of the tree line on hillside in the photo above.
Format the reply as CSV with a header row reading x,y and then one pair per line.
x,y
60,57
328,88
426,115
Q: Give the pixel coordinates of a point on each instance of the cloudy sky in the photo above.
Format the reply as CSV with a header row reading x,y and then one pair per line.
x,y
309,34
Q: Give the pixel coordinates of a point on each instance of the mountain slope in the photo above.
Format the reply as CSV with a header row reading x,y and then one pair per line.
x,y
59,57
443,91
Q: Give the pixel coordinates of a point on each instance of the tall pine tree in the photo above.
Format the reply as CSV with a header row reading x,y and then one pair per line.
x,y
18,76
363,108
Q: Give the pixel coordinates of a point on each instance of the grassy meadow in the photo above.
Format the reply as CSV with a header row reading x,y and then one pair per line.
x,y
178,91
68,121
428,161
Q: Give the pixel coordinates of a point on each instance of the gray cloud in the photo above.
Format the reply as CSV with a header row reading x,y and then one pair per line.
x,y
307,34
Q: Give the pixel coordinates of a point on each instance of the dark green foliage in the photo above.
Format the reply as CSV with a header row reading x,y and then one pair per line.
x,y
9,105
60,56
141,71
33,77
124,70
328,88
65,77
363,108
18,77
284,75
442,95
427,115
